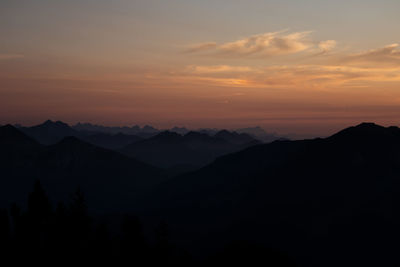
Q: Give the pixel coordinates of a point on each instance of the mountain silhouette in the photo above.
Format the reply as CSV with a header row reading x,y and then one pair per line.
x,y
180,130
13,138
109,179
194,149
331,201
236,138
260,134
337,197
50,132
90,129
111,141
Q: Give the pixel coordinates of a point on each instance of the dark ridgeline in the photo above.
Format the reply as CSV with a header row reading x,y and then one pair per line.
x,y
320,202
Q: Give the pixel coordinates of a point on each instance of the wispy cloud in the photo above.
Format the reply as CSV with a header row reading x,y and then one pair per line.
x,y
218,69
326,46
298,76
267,44
201,47
388,55
264,45
10,56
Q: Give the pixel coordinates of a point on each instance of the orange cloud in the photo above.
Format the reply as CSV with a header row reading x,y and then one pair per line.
x,y
201,47
326,46
264,45
218,69
388,55
267,44
298,76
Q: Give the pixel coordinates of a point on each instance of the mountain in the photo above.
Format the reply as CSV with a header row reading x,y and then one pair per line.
x,y
16,148
111,141
260,134
50,132
12,138
331,201
145,132
110,180
189,151
235,138
179,130
326,202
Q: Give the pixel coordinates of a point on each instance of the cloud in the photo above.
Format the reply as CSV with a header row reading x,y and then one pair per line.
x,y
201,47
218,69
287,76
388,55
326,46
266,44
10,56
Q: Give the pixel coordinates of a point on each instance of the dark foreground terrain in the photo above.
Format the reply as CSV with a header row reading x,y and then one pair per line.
x,y
321,202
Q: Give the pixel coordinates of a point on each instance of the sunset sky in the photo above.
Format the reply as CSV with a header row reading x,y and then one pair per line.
x,y
289,66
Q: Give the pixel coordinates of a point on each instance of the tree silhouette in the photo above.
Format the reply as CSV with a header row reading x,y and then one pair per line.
x,y
133,244
39,207
79,228
36,222
15,212
162,248
101,249
4,232
41,235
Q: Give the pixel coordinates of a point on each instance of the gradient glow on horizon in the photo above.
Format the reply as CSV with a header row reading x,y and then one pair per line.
x,y
306,67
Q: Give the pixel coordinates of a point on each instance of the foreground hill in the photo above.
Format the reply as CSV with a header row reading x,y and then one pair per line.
x,y
192,150
327,202
109,179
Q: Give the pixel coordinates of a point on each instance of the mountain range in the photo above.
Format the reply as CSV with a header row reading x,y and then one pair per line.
x,y
109,178
167,149
308,194
331,201
189,151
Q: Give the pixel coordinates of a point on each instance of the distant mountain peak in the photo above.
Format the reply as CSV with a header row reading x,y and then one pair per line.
x,y
224,132
180,130
148,128
234,137
50,123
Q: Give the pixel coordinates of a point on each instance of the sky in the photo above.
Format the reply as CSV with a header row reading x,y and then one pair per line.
x,y
308,67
